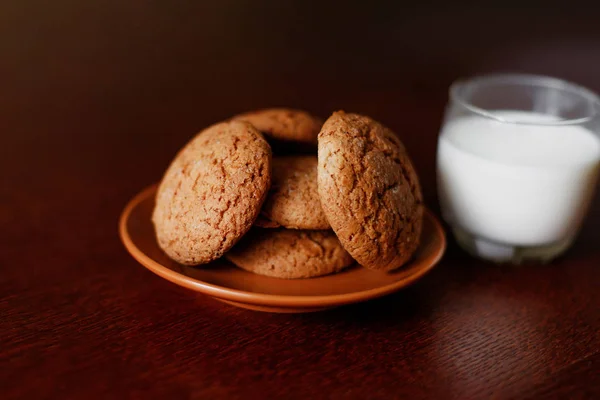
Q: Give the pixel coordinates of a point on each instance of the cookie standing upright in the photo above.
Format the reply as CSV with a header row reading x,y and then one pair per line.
x,y
369,191
212,192
285,125
293,201
290,253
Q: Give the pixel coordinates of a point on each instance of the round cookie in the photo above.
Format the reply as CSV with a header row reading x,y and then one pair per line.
x,y
290,253
212,192
369,191
283,124
293,201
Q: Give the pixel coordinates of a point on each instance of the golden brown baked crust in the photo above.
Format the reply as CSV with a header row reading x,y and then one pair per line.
x,y
212,192
369,191
290,253
293,201
285,124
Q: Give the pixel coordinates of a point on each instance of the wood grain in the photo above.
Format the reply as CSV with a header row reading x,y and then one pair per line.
x,y
96,99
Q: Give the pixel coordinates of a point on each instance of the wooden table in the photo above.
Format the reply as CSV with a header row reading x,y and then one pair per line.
x,y
95,99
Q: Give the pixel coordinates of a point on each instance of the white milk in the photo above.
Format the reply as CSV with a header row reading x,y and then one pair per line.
x,y
519,185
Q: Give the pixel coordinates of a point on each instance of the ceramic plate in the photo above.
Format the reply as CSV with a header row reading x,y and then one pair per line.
x,y
223,281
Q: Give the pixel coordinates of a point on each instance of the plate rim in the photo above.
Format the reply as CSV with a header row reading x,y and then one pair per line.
x,y
265,299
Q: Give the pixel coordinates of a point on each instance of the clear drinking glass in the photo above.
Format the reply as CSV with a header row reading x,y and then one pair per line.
x,y
517,162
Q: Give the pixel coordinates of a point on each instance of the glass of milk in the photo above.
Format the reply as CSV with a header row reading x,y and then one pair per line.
x,y
517,163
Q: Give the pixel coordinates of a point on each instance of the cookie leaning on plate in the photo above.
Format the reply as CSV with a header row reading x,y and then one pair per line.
x,y
212,192
290,253
369,191
293,201
285,124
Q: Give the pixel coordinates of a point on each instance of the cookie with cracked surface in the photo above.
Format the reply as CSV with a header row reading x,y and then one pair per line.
x,y
212,192
369,191
293,201
285,125
290,253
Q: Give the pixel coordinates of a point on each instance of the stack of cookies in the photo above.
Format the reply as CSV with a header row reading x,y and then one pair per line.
x,y
253,190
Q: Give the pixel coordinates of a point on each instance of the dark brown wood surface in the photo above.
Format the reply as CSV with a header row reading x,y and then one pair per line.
x,y
95,99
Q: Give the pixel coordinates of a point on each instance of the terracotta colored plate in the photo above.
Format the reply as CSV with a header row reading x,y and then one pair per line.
x,y
232,285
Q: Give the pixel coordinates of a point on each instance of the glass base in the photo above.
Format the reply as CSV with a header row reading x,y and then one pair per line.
x,y
503,253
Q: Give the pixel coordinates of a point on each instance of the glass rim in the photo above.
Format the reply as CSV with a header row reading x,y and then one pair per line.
x,y
525,80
